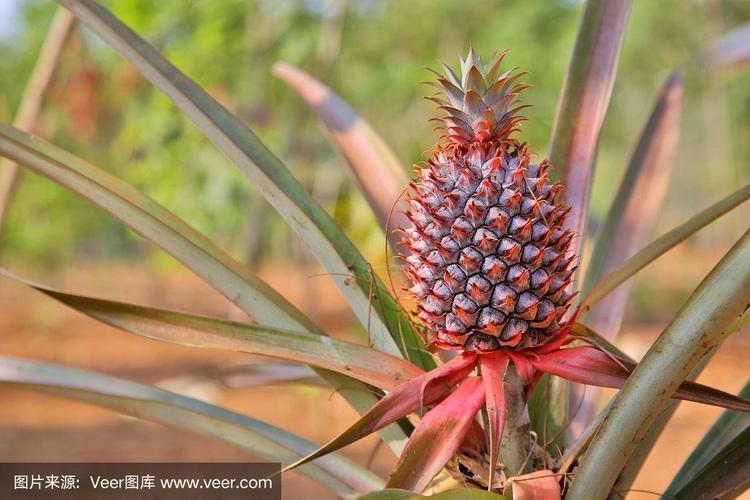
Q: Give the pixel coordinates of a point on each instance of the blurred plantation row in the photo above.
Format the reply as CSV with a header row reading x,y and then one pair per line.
x,y
373,54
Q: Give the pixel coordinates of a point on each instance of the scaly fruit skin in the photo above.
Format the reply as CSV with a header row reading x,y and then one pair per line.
x,y
490,261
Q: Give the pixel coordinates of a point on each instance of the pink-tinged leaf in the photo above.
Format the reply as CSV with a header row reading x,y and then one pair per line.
x,y
437,437
584,99
426,389
589,365
493,368
636,204
627,225
730,51
523,365
537,485
371,162
585,365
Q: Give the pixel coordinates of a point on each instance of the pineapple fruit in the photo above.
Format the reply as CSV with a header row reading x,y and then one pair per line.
x,y
490,261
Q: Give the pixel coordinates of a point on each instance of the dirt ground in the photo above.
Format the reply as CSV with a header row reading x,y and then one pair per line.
x,y
44,428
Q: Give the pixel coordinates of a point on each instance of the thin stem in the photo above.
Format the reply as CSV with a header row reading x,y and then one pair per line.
x,y
516,443
33,97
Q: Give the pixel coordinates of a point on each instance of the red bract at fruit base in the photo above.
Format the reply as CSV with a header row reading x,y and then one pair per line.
x,y
491,265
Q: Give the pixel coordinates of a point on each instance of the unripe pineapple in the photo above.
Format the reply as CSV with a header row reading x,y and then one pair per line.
x,y
490,261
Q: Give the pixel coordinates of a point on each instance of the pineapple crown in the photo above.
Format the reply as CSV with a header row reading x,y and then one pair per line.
x,y
481,104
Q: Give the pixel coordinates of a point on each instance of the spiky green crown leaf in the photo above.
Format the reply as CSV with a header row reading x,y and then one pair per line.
x,y
481,104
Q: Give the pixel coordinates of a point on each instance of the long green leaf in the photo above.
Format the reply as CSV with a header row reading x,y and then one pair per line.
x,y
660,246
696,330
722,432
366,294
371,162
727,474
149,403
638,458
156,224
362,363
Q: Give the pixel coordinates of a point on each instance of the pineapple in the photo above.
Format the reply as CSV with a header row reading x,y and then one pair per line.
x,y
490,261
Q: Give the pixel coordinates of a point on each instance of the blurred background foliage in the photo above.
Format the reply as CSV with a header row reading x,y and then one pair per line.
x,y
373,53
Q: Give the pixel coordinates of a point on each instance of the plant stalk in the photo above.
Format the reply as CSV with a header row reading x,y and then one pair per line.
x,y
515,447
33,98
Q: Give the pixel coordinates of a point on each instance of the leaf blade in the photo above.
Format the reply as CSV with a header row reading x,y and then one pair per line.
x,y
584,99
630,471
660,246
404,399
492,368
727,473
437,437
195,251
369,159
696,330
639,195
366,294
581,108
190,414
362,363
723,430
156,224
591,366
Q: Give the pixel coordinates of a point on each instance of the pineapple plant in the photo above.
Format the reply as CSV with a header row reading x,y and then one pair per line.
x,y
491,264
491,249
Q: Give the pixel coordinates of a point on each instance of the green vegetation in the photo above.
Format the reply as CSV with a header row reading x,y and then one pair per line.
x,y
369,52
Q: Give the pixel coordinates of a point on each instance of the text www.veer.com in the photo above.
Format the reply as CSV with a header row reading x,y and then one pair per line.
x,y
216,483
